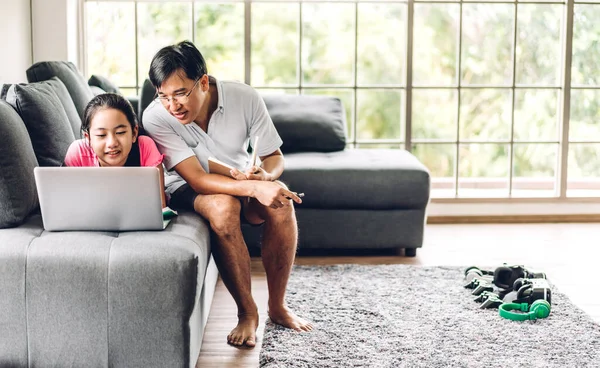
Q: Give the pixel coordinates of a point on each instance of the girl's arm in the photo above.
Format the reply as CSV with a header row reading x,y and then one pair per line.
x,y
163,198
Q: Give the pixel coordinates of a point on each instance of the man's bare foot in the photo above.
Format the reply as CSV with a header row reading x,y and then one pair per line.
x,y
285,317
245,331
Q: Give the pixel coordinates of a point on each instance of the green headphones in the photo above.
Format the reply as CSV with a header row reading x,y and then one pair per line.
x,y
538,309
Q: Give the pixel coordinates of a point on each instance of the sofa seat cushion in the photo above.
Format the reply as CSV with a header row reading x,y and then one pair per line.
x,y
378,179
111,297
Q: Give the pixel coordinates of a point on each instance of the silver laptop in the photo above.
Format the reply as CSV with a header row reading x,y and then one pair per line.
x,y
99,198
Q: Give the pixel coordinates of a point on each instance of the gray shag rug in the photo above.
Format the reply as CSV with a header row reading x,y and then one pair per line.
x,y
415,316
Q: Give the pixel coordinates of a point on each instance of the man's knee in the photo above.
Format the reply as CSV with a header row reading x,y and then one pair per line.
x,y
282,214
222,212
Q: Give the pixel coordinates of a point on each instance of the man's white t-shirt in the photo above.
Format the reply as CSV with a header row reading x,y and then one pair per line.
x,y
241,115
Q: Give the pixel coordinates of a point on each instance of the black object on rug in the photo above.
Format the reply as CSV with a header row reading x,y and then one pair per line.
x,y
415,316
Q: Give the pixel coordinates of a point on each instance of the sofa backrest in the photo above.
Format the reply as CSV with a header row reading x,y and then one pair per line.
x,y
103,83
308,123
147,94
304,123
18,196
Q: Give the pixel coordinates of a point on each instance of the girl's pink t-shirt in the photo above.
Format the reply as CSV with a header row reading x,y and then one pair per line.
x,y
80,153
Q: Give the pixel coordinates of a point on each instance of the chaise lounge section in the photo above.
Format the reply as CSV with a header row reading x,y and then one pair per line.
x,y
354,198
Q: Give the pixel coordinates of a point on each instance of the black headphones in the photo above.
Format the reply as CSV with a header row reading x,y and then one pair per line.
x,y
504,276
529,290
521,287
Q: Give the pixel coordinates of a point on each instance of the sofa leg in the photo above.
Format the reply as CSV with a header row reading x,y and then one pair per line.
x,y
410,252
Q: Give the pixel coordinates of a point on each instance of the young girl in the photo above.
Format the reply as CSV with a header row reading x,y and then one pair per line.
x,y
110,131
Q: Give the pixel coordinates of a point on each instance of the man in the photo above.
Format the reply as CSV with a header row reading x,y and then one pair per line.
x,y
196,116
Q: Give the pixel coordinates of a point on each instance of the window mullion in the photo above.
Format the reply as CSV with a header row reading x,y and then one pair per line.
x,y
566,100
409,62
247,41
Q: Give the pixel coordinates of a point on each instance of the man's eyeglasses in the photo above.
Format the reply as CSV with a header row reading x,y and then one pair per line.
x,y
180,98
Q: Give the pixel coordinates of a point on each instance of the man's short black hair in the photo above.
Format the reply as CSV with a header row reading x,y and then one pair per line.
x,y
182,56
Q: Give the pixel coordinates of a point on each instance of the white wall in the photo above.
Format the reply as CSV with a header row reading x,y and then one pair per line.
x,y
15,47
49,30
56,30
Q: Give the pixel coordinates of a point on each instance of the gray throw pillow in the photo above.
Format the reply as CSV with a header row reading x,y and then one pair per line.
x,y
18,196
308,123
67,72
103,83
46,121
67,103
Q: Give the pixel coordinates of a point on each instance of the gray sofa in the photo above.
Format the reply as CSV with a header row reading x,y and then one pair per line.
x,y
142,298
88,299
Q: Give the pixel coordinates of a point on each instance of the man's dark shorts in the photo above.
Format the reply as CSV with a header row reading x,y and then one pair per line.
x,y
183,200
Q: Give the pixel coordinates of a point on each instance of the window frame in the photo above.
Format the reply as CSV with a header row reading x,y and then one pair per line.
x,y
563,88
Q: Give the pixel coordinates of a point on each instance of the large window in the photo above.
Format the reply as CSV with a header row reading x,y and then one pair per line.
x,y
480,91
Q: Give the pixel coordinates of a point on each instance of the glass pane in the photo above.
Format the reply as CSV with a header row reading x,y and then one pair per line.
x,y
585,115
585,69
483,170
111,50
220,37
584,170
278,91
160,25
485,114
328,43
440,160
381,43
487,40
539,44
434,114
534,170
380,114
435,44
536,114
129,92
347,98
275,44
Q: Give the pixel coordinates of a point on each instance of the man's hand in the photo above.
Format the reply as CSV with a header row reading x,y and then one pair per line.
x,y
272,194
253,173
